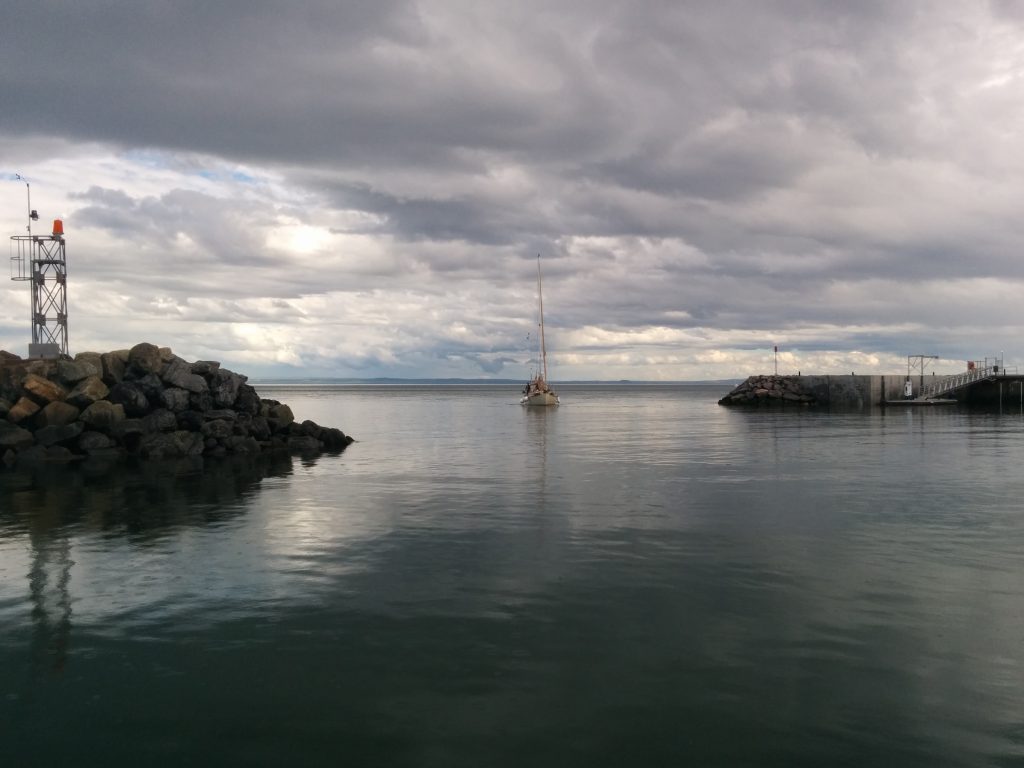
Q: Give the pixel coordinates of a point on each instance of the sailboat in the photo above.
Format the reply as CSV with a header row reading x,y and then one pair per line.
x,y
537,391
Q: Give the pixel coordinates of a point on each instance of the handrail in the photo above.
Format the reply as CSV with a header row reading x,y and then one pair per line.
x,y
956,381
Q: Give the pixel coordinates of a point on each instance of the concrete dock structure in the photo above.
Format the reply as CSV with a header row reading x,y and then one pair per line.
x,y
986,389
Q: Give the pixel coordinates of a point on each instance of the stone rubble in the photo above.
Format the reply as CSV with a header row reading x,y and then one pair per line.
x,y
770,390
146,402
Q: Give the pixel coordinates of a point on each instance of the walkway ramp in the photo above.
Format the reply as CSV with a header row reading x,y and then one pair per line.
x,y
949,384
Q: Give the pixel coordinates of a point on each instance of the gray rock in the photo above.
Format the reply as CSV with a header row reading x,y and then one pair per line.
x,y
95,359
191,421
171,444
5,406
32,455
160,420
200,401
280,416
59,453
131,397
14,437
151,385
248,401
103,415
128,427
56,414
114,365
73,371
303,444
218,428
259,428
188,443
145,358
242,444
175,399
59,433
87,392
220,413
205,367
224,385
178,373
93,441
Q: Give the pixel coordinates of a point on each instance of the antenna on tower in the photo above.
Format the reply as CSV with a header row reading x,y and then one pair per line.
x,y
32,215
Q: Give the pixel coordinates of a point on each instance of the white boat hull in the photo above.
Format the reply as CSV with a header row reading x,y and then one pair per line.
x,y
540,398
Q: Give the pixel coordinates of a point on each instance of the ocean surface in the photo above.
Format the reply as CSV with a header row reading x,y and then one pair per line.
x,y
637,577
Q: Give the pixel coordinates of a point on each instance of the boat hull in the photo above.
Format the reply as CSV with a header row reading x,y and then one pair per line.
x,y
540,399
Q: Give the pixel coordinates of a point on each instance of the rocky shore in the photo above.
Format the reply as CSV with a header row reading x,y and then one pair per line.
x,y
146,402
771,390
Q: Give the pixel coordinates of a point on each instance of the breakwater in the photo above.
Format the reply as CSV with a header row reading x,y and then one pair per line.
x,y
846,391
144,401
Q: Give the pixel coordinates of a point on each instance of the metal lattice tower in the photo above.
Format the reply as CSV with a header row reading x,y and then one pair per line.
x,y
41,260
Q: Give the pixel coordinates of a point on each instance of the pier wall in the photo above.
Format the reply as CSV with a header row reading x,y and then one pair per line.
x,y
839,390
854,390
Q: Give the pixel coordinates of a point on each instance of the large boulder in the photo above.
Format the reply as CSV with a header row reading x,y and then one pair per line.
x,y
280,416
175,399
95,359
59,433
178,373
205,367
130,395
22,410
145,358
114,365
57,414
87,392
160,420
248,400
171,444
152,387
42,390
218,428
89,442
224,386
200,401
73,371
14,437
103,415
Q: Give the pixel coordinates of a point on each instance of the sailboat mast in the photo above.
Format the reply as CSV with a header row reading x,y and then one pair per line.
x,y
543,347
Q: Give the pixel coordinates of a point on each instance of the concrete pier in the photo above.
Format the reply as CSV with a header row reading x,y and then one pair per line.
x,y
862,391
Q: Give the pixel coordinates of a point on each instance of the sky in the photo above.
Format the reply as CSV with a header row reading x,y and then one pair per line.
x,y
330,188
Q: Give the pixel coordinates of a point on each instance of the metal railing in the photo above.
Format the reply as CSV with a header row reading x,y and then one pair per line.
x,y
952,383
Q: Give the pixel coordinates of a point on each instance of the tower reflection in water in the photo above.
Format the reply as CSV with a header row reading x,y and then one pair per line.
x,y
52,508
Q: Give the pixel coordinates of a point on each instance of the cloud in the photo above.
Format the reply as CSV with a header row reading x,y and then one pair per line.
x,y
363,188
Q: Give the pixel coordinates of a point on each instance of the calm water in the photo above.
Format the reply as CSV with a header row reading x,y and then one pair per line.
x,y
639,577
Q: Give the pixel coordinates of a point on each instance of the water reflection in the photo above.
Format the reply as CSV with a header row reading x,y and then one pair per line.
x,y
54,510
140,500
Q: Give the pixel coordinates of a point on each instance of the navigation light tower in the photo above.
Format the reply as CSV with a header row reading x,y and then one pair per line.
x,y
41,260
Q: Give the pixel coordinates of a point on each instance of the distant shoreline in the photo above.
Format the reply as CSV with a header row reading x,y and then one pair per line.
x,y
277,382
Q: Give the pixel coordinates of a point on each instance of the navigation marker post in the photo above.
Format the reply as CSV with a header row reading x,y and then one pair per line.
x,y
41,260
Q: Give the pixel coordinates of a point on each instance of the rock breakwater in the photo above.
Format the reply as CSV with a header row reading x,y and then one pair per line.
x,y
144,401
770,390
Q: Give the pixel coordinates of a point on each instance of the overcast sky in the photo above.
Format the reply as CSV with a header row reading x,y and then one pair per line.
x,y
339,188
